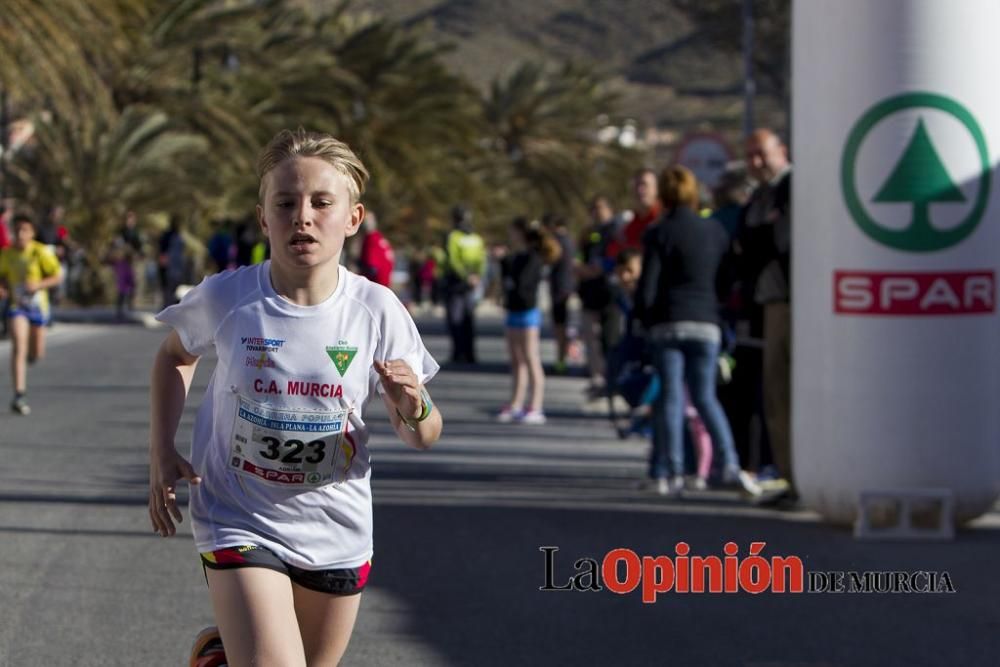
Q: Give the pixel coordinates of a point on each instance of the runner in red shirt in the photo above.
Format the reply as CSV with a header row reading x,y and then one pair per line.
x,y
4,231
647,210
377,257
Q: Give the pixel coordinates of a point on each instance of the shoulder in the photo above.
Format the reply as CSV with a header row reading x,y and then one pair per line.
x,y
715,230
374,299
232,285
653,233
238,277
40,252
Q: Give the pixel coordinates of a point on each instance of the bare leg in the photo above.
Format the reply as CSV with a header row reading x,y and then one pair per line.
x,y
19,353
326,622
255,612
518,368
36,344
534,361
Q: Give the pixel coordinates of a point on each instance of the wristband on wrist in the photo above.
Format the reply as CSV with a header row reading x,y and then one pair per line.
x,y
426,408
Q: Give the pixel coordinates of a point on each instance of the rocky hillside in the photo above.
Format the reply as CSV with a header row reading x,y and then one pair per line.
x,y
678,70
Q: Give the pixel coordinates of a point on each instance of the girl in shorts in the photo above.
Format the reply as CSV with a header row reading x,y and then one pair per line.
x,y
281,504
531,248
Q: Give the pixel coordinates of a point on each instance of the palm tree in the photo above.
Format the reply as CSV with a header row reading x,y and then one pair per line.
x,y
385,91
216,78
106,164
544,125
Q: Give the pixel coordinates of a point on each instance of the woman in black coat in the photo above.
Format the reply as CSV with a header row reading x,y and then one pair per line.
x,y
677,305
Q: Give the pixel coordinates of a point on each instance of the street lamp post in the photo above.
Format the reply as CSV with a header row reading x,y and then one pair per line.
x,y
749,87
4,142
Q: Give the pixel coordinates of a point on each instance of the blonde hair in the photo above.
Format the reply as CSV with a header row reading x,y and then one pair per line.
x,y
679,187
300,143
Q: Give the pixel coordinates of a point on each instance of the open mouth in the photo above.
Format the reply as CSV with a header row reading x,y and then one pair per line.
x,y
301,241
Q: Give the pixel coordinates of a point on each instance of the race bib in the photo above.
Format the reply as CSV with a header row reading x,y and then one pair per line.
x,y
286,447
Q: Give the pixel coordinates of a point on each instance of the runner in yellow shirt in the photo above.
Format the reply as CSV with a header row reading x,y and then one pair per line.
x,y
27,270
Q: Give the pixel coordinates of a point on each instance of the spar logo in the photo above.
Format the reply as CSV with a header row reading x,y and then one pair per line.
x,y
916,176
926,194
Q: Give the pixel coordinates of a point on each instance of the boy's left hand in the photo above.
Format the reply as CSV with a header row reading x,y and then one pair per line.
x,y
401,386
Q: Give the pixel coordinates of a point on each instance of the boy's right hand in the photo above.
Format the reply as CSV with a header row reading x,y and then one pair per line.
x,y
164,472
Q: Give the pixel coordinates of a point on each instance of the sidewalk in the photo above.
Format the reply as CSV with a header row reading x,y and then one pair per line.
x,y
103,315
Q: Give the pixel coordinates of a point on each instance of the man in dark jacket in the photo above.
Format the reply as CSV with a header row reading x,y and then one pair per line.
x,y
765,252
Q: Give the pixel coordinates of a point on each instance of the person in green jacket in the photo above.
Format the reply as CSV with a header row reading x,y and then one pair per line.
x,y
465,261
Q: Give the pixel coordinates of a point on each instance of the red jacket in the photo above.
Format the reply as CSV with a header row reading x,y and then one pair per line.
x,y
632,234
377,258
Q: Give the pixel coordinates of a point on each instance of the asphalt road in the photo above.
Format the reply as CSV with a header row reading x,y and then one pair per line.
x,y
458,531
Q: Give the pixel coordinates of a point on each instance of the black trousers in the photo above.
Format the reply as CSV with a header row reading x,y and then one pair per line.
x,y
460,311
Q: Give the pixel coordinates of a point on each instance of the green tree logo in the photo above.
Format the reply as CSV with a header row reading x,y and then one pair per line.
x,y
919,177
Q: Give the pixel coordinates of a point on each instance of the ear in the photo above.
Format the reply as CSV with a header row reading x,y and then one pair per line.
x,y
357,217
260,219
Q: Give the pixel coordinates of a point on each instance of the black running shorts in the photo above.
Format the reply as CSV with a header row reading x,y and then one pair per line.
x,y
347,581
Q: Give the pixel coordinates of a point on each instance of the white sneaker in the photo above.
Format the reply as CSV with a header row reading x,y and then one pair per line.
x,y
508,414
535,417
663,486
660,486
695,483
743,480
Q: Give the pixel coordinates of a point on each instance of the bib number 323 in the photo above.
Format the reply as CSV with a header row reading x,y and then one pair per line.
x,y
286,447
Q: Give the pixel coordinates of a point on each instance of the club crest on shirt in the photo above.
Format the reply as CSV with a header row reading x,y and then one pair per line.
x,y
341,354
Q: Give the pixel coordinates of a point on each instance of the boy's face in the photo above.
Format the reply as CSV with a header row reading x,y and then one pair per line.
x,y
601,211
307,213
628,273
24,234
645,189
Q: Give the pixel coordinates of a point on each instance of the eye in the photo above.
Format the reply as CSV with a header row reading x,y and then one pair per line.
x,y
322,203
284,204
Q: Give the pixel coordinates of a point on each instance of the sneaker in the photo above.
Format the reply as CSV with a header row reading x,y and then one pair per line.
x,y
743,480
786,500
773,484
662,486
675,486
20,406
536,417
508,414
207,650
695,483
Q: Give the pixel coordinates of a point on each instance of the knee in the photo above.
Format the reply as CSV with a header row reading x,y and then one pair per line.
x,y
705,403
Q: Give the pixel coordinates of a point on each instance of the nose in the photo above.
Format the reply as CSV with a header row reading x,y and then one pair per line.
x,y
303,214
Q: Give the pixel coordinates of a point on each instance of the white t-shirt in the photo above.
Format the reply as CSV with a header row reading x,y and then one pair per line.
x,y
279,439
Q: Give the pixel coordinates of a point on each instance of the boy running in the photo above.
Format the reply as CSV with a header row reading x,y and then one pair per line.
x,y
27,270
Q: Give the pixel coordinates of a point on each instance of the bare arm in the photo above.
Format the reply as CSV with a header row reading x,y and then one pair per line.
x,y
403,397
173,371
33,286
